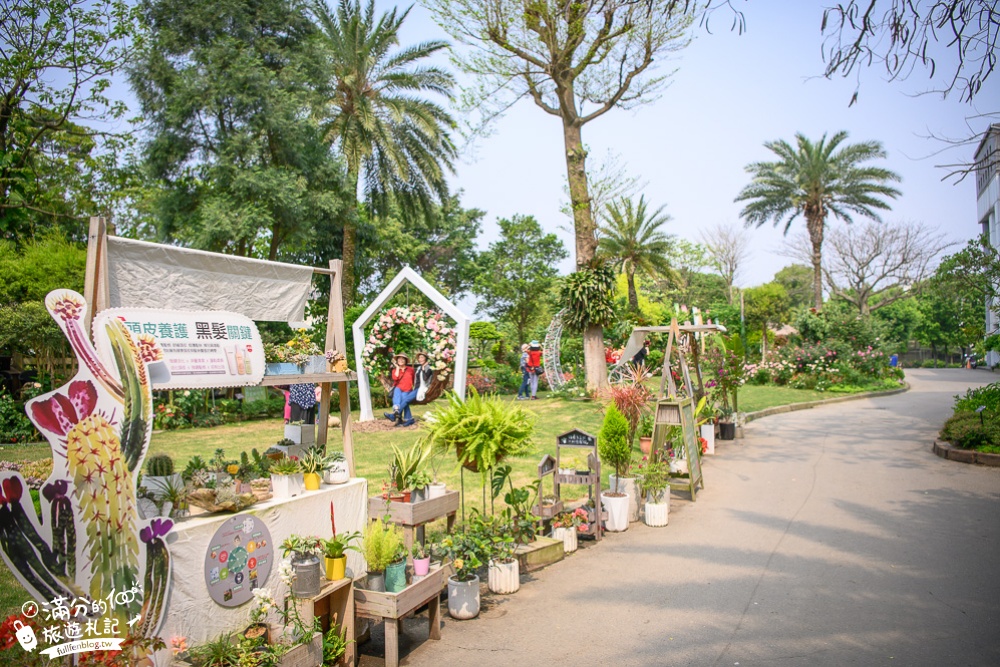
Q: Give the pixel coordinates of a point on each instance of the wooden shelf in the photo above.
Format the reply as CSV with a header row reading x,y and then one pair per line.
x,y
577,479
391,607
333,606
412,516
308,378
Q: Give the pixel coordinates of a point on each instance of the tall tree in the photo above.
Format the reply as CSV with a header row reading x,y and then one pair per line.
x,y
439,244
634,239
873,265
57,58
575,61
729,248
517,271
765,305
379,117
816,180
227,89
797,281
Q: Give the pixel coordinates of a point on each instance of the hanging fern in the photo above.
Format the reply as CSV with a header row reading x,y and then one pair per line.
x,y
588,295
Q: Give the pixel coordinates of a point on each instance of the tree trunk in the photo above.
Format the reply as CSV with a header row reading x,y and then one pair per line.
x,y
586,246
633,296
814,222
349,248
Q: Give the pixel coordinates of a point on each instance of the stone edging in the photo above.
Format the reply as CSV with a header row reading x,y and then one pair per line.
x,y
948,451
779,409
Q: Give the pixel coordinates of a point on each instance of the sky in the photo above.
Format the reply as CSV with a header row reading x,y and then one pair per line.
x,y
731,93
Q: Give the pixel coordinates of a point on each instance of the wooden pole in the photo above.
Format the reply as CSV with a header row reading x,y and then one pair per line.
x,y
335,336
95,285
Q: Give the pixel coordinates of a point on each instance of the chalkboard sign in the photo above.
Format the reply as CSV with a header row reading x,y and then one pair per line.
x,y
667,412
576,438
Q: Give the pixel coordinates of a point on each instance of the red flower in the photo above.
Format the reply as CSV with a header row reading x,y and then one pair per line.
x,y
59,413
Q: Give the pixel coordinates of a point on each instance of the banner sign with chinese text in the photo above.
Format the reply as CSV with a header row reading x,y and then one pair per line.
x,y
200,349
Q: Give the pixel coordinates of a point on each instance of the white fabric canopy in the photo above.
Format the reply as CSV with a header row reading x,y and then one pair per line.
x,y
152,275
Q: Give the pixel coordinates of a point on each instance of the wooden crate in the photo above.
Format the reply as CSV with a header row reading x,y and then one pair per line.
x,y
305,655
543,551
334,607
415,514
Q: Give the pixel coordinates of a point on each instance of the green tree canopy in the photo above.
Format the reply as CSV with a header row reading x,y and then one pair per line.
x,y
765,305
516,271
815,180
797,281
56,142
227,89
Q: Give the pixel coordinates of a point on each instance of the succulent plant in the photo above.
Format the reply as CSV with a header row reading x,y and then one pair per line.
x,y
160,465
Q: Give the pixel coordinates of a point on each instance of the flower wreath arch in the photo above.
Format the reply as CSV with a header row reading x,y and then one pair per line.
x,y
409,329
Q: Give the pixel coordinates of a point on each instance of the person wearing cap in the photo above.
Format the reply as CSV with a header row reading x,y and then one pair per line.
x,y
523,392
403,391
534,366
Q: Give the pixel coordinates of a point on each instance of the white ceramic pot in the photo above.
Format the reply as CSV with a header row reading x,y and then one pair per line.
x,y
617,509
337,473
463,598
436,490
504,578
568,537
656,514
629,485
708,432
286,486
679,466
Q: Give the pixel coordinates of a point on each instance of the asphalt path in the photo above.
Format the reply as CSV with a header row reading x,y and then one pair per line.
x,y
829,536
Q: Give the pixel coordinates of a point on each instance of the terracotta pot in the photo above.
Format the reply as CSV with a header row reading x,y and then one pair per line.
x,y
646,444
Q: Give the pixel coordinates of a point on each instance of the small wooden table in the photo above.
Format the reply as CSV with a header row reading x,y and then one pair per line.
x,y
413,516
392,607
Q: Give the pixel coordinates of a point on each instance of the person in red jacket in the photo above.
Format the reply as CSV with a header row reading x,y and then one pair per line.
x,y
534,366
403,391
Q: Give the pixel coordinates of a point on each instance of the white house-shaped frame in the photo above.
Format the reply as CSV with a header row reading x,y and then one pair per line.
x,y
462,322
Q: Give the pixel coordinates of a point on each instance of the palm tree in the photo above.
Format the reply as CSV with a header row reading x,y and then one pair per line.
x,y
632,237
816,180
388,133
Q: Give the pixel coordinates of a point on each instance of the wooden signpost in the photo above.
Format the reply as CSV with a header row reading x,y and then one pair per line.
x,y
671,413
577,439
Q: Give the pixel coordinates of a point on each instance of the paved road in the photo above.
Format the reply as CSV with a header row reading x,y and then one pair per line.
x,y
830,536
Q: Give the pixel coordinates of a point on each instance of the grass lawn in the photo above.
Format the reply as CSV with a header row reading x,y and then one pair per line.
x,y
373,450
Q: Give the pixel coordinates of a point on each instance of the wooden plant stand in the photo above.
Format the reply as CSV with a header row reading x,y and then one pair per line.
x,y
334,606
412,516
392,607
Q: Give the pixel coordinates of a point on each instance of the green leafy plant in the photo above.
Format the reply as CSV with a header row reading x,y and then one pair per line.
x,y
287,465
334,547
382,545
588,295
312,460
467,551
612,442
497,535
335,645
219,652
419,551
194,465
407,464
299,544
646,424
522,524
482,431
654,474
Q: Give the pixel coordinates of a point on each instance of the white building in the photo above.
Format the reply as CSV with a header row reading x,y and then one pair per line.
x,y
988,208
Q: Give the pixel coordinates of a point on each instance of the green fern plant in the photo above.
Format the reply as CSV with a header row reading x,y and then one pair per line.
x,y
481,431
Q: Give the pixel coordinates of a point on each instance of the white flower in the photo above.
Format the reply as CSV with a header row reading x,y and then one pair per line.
x,y
285,571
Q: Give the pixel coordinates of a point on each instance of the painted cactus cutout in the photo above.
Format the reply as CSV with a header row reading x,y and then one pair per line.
x,y
89,541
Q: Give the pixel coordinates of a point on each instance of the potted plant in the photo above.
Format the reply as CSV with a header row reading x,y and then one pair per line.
x,y
286,477
615,451
481,431
565,527
655,486
312,464
262,603
335,643
219,652
646,424
727,427
305,564
335,558
419,483
175,493
381,546
704,418
335,470
160,471
406,464
435,489
300,433
465,550
421,559
495,533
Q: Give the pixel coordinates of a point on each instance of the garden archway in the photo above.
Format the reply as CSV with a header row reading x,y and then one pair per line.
x,y
462,322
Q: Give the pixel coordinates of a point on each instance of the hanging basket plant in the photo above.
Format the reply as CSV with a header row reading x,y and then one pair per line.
x,y
588,297
409,329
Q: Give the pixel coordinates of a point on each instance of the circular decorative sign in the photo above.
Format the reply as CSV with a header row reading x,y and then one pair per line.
x,y
238,560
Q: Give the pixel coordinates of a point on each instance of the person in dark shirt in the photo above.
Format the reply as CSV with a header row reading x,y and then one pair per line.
x,y
640,357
